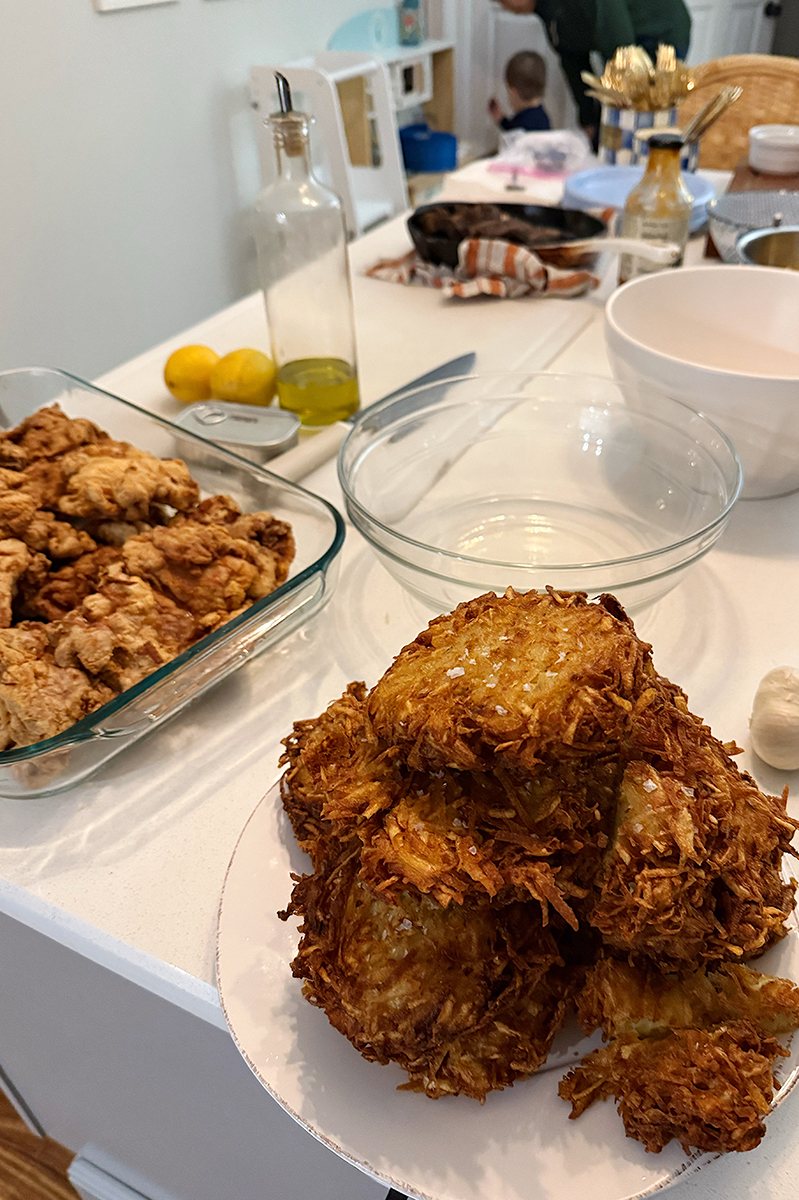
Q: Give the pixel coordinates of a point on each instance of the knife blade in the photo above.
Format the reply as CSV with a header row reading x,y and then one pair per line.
x,y
448,370
295,464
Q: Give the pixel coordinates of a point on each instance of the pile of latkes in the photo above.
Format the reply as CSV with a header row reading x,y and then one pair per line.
x,y
522,818
110,566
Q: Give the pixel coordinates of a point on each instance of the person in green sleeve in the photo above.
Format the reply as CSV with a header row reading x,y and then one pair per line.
x,y
576,27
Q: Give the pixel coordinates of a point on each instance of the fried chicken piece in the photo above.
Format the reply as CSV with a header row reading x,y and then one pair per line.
x,y
123,632
708,1088
20,570
39,698
460,998
509,680
115,531
58,539
202,567
22,517
639,1001
114,479
12,458
448,833
47,433
66,589
693,870
260,527
42,480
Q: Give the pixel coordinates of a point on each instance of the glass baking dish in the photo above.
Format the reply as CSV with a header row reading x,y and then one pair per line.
x,y
59,762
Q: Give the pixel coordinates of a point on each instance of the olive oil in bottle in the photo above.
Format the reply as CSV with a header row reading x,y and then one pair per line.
x,y
659,207
310,386
304,273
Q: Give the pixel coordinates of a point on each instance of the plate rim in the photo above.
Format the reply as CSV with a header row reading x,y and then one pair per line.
x,y
693,1163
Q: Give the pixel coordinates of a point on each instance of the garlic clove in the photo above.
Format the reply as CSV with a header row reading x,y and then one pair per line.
x,y
774,723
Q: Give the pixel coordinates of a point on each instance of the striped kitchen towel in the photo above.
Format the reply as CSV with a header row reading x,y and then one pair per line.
x,y
487,267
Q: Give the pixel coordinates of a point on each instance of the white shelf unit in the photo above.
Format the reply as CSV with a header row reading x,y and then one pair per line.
x,y
423,75
355,140
355,99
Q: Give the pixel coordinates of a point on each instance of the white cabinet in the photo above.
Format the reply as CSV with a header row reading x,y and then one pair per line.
x,y
722,27
160,1103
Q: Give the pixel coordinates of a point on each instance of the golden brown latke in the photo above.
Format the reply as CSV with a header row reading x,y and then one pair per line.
x,y
508,680
708,1088
522,756
329,758
693,869
464,999
450,833
623,999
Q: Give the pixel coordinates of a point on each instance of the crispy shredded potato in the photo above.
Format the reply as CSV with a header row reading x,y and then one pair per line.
x,y
522,816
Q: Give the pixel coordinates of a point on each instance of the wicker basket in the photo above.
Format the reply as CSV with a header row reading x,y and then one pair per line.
x,y
770,96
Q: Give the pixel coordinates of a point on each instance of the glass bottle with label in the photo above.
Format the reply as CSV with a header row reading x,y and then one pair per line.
x,y
411,30
304,273
659,207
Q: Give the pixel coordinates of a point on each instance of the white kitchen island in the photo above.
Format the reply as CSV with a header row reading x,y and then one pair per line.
x,y
111,1034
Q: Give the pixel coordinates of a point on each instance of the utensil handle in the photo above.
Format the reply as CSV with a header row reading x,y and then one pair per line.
x,y
298,462
658,252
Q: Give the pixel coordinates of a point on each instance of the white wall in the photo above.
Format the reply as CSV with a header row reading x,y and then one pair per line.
x,y
128,165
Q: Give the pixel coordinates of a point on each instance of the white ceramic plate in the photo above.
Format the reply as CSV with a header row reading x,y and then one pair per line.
x,y
520,1145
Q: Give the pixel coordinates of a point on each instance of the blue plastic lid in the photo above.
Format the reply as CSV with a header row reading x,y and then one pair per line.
x,y
609,187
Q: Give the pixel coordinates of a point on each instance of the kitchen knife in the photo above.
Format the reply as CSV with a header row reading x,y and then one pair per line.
x,y
295,464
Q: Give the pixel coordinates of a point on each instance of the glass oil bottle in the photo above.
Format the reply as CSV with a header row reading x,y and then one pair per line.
x,y
304,272
659,207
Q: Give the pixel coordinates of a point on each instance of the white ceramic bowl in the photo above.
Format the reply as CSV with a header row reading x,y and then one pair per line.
x,y
774,149
725,340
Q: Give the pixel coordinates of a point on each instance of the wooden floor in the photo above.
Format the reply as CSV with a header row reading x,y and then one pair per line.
x,y
31,1168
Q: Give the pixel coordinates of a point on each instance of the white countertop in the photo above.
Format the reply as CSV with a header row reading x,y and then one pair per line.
x,y
128,867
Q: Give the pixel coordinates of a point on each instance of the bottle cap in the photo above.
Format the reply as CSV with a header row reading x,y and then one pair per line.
x,y
667,140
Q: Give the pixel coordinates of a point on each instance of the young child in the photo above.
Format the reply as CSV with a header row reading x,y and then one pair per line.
x,y
526,79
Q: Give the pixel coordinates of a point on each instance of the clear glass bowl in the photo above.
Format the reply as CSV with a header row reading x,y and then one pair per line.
x,y
59,762
477,484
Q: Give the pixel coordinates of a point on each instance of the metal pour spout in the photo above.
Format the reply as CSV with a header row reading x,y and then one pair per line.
x,y
283,93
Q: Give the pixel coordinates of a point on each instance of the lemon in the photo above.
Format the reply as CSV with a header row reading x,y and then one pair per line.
x,y
245,376
187,373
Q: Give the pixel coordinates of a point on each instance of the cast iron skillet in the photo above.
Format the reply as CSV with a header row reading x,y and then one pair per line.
x,y
440,247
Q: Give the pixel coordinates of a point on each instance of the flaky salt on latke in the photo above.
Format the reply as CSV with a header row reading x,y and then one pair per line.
x,y
509,680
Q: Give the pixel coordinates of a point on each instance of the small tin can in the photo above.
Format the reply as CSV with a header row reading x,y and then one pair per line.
x,y
253,432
